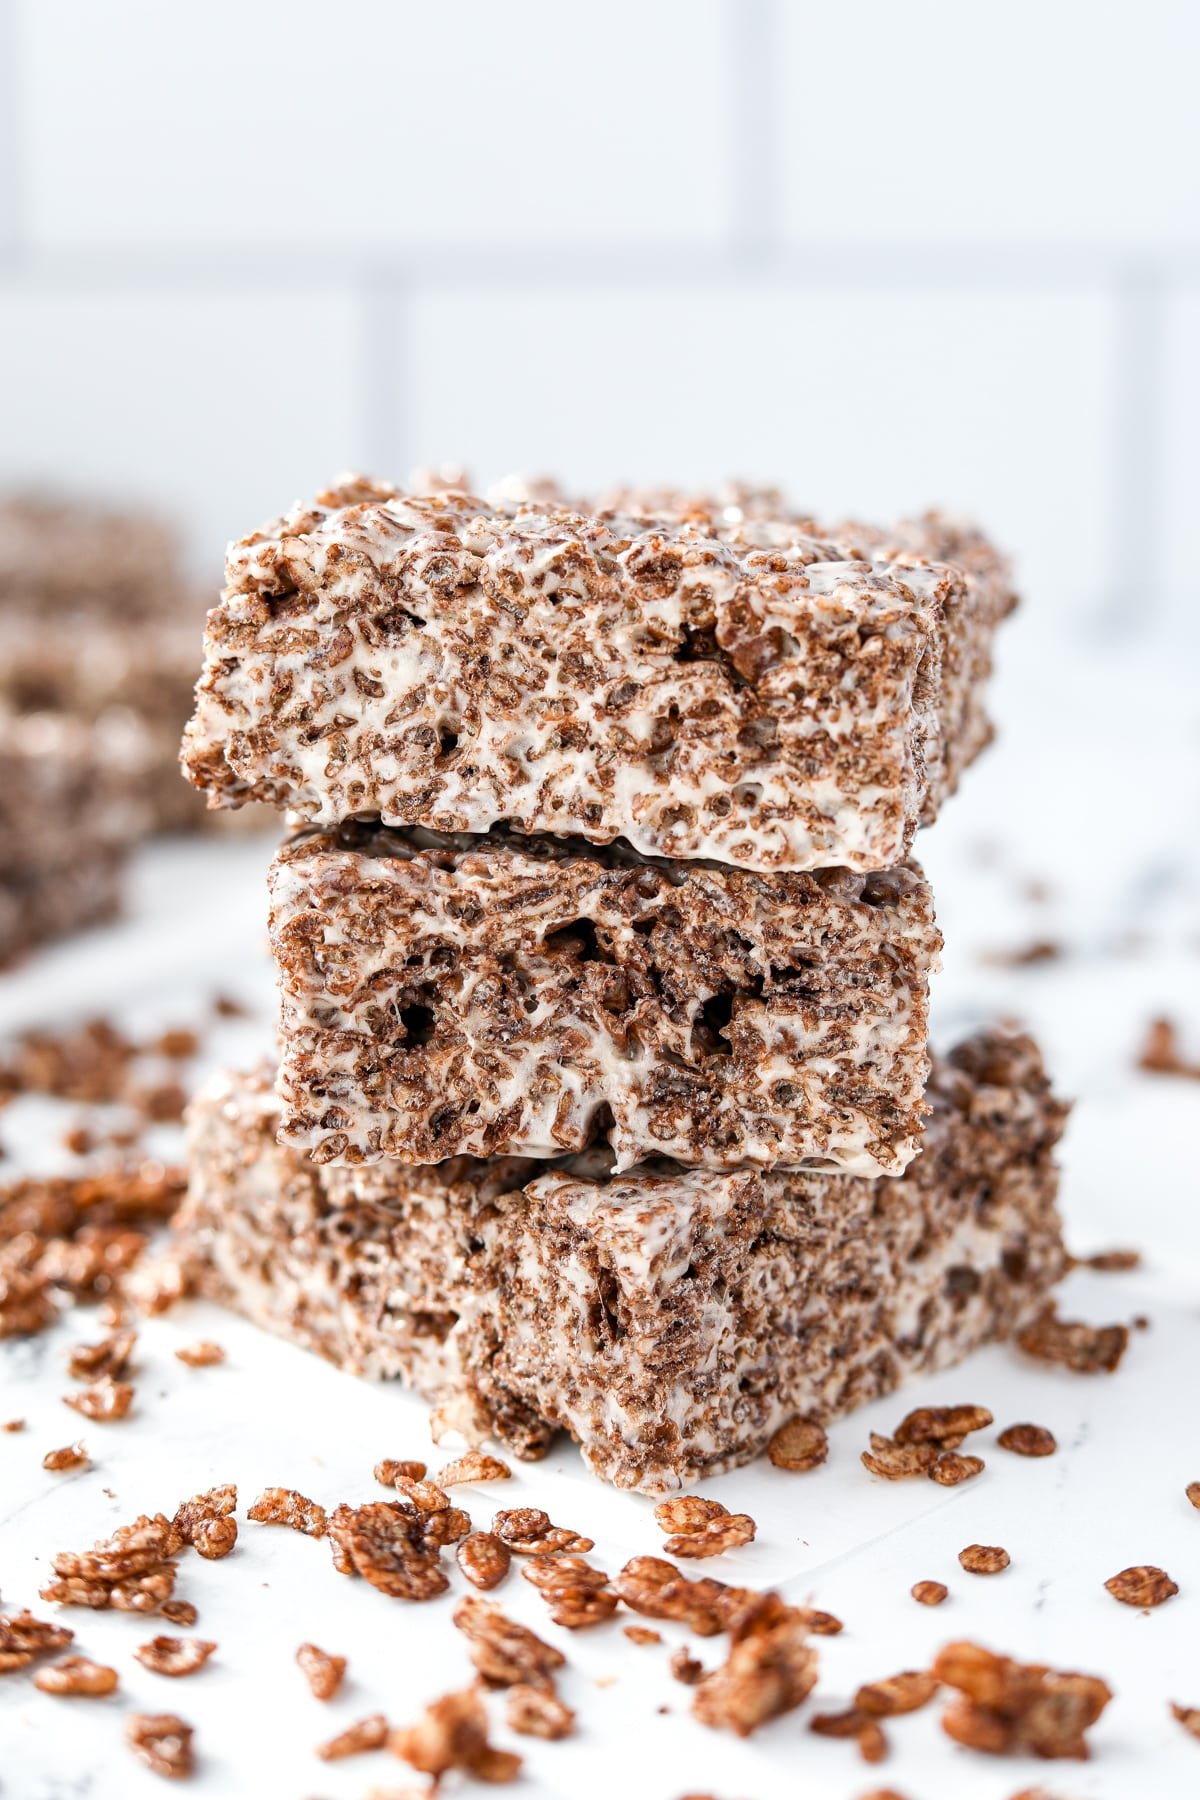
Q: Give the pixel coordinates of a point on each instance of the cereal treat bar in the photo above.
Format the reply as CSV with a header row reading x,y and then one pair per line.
x,y
70,809
669,1319
63,556
529,996
769,698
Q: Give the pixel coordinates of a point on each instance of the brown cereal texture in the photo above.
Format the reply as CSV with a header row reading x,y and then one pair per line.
x,y
201,1355
163,1742
1142,1585
984,1559
71,1456
516,996
392,1546
503,1652
483,1558
77,1676
23,1639
532,1712
929,1593
1028,1440
770,1669
322,1671
369,1733
453,1734
801,1444
174,1656
133,1570
735,684
1009,1708
102,1401
1086,1349
535,1298
284,1506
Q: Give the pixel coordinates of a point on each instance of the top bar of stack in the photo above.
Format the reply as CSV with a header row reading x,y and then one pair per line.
x,y
703,679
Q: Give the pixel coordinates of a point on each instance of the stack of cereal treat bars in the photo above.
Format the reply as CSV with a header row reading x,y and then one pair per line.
x,y
604,1100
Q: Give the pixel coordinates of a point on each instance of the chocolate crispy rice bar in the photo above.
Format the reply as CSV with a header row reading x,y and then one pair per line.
x,y
669,1319
530,996
700,681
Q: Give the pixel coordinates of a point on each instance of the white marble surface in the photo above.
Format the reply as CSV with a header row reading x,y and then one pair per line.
x,y
1094,791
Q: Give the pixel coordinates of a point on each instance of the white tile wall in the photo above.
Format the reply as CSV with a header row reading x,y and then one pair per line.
x,y
373,124
886,254
217,407
1036,123
997,404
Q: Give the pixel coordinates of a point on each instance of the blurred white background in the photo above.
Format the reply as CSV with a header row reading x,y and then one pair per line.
x,y
885,254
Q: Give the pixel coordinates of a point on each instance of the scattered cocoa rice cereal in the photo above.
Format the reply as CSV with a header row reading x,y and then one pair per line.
x,y
23,1638
206,1522
1192,1490
534,1713
655,1588
111,1356
504,1653
1009,1708
685,1667
702,1528
102,1401
393,1547
483,1559
823,1624
370,1733
984,1559
389,1471
77,1676
929,1593
527,1531
284,1506
800,1445
1111,1262
866,1731
133,1570
1162,1054
474,1465
896,1694
898,1462
769,1670
322,1671
163,1742
1028,1440
1188,1716
174,1656
13,1425
201,1355
1086,1349
179,1612
1142,1585
951,1468
426,1496
642,1635
947,1425
452,1733
71,1456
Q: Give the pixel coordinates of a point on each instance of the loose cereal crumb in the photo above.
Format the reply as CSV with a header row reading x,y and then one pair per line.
x,y
951,1468
201,1355
1142,1585
206,1522
941,1424
770,1669
823,1624
163,1742
1028,1440
133,1570
702,1527
474,1466
503,1652
984,1559
426,1496
534,1713
801,1444
685,1667
102,1401
1086,1349
22,1638
174,1656
1188,1716
370,1733
1112,1262
388,1544
111,1356
898,1462
77,1676
867,1732
527,1531
929,1593
284,1506
483,1559
13,1425
453,1734
655,1588
389,1471
322,1671
1162,1053
897,1694
1192,1490
71,1456
642,1635
1009,1708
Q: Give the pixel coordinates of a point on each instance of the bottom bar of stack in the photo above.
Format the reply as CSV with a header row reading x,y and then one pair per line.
x,y
669,1319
